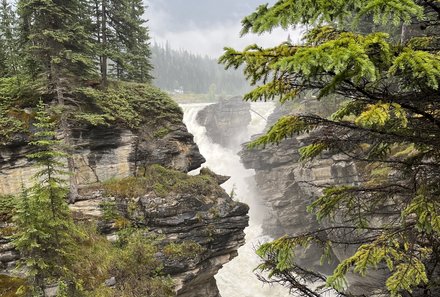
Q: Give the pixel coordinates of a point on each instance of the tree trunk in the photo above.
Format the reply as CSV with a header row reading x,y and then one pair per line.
x,y
59,93
104,43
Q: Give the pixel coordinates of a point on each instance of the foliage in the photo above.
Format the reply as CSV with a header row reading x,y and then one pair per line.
x,y
161,181
9,49
132,261
121,39
9,285
130,104
388,122
183,71
45,234
182,251
7,208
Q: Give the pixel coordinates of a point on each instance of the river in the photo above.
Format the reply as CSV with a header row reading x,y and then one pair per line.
x,y
237,279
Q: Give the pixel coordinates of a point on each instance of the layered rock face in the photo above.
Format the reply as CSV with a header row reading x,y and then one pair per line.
x,y
226,122
102,153
209,218
287,186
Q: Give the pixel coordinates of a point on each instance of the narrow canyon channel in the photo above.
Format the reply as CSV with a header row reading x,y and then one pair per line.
x,y
237,278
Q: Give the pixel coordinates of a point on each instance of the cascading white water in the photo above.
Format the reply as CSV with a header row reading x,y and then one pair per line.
x,y
236,279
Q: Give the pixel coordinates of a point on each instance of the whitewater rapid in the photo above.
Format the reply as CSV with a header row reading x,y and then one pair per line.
x,y
237,279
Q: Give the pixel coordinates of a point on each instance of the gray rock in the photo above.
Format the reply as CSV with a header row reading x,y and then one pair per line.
x,y
226,122
110,282
51,291
8,256
102,153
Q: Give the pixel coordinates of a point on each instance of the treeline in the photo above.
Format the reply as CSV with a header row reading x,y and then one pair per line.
x,y
61,66
74,40
182,71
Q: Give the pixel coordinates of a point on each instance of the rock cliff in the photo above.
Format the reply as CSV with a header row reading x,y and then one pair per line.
x,y
200,212
286,185
226,122
102,153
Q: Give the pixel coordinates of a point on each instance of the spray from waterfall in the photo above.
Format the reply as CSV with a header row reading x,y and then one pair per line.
x,y
237,279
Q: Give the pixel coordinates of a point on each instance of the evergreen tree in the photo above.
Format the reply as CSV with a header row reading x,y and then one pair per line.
x,y
138,67
389,125
9,51
58,52
61,57
45,230
175,70
123,40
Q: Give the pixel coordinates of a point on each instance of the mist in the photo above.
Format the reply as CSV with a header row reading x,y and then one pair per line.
x,y
205,27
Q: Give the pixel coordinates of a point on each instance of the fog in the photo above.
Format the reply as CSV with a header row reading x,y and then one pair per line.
x,y
206,26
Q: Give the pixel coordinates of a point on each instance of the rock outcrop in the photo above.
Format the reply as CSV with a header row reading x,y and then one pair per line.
x,y
102,153
226,122
206,216
286,186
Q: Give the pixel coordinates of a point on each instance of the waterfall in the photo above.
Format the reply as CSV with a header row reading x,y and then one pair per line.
x,y
236,279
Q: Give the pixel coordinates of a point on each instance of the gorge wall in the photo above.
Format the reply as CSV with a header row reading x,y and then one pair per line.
x,y
285,185
199,212
226,122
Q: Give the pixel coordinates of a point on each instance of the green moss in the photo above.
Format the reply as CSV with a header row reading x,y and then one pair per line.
x,y
109,210
182,251
162,132
161,181
10,285
131,104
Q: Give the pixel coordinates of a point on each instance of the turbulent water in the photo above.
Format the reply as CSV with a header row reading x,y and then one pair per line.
x,y
237,279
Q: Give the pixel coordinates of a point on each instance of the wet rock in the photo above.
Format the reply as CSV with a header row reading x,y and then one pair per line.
x,y
102,153
226,122
221,179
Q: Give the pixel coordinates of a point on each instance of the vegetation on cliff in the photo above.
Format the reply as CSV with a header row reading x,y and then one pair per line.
x,y
50,83
388,124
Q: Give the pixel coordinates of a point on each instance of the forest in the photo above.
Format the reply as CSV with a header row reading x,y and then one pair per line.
x,y
181,71
80,91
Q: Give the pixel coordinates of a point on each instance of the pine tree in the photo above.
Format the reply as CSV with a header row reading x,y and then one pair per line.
x,y
138,67
122,39
61,58
9,50
45,229
389,125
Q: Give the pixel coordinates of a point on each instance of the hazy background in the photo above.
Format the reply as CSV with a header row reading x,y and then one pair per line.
x,y
206,26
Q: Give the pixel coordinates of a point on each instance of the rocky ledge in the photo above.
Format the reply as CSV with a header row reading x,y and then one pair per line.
x,y
102,153
179,208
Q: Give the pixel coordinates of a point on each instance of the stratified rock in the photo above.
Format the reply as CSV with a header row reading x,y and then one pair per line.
x,y
226,122
102,153
221,179
206,216
287,185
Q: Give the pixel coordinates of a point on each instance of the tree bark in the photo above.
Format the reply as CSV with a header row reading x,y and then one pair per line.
x,y
104,43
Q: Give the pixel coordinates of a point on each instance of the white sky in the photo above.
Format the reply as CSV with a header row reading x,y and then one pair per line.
x,y
207,26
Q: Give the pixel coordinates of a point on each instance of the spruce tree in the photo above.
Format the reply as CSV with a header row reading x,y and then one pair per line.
x,y
9,50
45,229
58,53
388,123
138,67
122,40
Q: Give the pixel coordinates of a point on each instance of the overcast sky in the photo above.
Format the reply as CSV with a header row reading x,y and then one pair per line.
x,y
206,26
